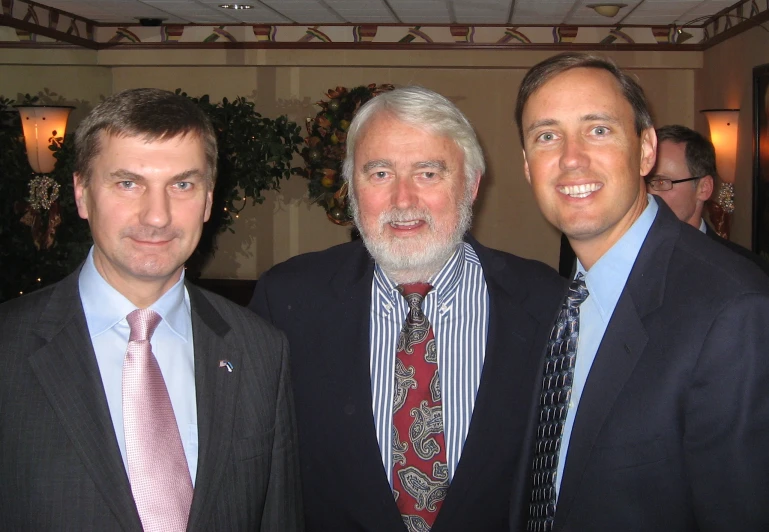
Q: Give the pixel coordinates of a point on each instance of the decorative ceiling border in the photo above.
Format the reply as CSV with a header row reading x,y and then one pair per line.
x,y
37,25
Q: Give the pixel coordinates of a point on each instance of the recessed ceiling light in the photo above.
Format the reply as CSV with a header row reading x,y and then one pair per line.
x,y
606,10
236,6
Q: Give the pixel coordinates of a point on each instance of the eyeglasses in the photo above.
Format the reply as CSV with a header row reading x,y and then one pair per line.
x,y
661,184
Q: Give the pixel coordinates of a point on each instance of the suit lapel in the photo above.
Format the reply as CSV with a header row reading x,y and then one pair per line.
x,y
69,375
506,367
621,348
216,393
351,286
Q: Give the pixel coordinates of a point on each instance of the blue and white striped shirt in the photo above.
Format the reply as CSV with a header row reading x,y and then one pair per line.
x,y
458,309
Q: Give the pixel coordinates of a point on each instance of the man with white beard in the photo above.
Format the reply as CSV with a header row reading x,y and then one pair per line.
x,y
415,352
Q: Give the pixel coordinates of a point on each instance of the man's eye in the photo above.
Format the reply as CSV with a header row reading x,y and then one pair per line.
x,y
126,184
429,175
184,185
547,137
380,175
601,130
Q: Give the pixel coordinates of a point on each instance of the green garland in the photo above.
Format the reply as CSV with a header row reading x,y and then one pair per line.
x,y
325,146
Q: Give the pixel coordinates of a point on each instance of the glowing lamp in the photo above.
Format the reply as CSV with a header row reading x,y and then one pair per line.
x,y
42,124
723,135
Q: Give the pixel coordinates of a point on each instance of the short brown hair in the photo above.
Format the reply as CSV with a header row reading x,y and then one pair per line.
x,y
543,72
699,151
153,114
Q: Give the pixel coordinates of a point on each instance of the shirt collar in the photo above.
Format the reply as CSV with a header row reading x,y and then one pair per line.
x,y
105,307
703,226
445,282
606,279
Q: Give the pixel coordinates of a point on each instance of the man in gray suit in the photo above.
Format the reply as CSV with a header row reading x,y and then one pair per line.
x,y
82,445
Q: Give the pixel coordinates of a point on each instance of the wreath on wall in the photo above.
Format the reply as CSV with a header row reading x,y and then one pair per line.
x,y
325,147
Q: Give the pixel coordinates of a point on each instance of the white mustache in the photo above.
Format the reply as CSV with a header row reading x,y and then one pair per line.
x,y
406,215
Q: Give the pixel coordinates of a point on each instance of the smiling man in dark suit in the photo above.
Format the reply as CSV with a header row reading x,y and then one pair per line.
x,y
129,399
414,351
654,407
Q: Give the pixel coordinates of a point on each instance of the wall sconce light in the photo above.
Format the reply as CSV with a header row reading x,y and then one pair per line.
x,y
606,10
723,135
42,124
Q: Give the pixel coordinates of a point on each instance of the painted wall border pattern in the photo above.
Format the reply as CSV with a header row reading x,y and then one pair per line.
x,y
38,25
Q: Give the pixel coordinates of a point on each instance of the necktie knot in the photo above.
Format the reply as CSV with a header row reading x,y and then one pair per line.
x,y
577,292
414,293
143,323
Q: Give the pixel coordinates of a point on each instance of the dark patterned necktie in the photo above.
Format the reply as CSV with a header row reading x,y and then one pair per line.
x,y
420,473
554,405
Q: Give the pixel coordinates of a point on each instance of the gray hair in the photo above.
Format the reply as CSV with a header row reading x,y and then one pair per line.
x,y
424,109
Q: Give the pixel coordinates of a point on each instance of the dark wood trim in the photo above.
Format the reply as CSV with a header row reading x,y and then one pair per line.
x,y
759,73
6,20
60,12
742,26
411,47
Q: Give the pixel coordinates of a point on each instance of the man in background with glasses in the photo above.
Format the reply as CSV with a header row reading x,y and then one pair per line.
x,y
684,177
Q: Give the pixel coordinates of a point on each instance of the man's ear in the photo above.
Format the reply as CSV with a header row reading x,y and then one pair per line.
x,y
705,188
81,195
648,150
526,172
209,203
477,185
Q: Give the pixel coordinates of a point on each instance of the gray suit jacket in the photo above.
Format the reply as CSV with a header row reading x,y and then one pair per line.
x,y
60,466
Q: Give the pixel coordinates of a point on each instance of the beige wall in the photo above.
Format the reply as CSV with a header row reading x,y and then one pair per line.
x,y
482,83
726,81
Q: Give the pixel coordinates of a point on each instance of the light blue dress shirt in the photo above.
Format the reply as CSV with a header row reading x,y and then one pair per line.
x,y
105,312
605,282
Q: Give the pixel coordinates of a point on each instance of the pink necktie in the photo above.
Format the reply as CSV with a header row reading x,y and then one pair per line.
x,y
157,467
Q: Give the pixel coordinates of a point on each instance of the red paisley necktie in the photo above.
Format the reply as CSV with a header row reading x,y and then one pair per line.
x,y
420,473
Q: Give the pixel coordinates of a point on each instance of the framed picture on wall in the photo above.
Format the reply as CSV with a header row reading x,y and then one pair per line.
x,y
761,160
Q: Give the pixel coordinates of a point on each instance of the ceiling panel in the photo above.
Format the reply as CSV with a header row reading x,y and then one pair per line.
x,y
541,12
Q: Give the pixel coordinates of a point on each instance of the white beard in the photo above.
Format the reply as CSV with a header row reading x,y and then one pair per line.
x,y
414,259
